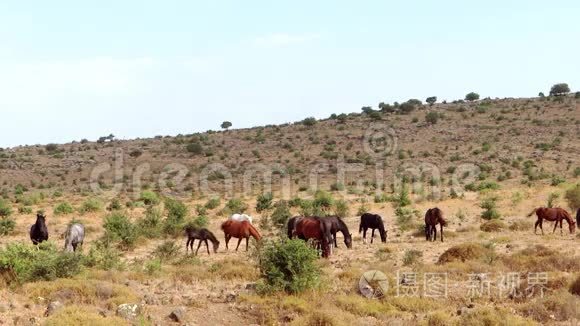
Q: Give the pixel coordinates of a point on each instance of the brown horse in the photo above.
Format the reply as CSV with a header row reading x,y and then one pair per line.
x,y
433,217
578,216
318,229
240,230
553,214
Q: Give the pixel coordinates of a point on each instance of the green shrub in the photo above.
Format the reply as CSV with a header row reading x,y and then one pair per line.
x,y
115,205
235,206
7,225
323,200
167,251
403,199
201,221
337,186
213,203
264,202
341,208
30,263
490,209
149,198
5,209
195,148
412,257
281,214
311,121
25,210
103,255
150,225
63,208
289,266
432,117
91,205
573,197
118,227
176,214
404,218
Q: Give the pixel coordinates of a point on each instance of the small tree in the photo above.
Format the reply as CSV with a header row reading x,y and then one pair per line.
x,y
559,89
367,109
311,121
577,95
281,214
541,95
264,202
431,100
472,97
226,124
406,107
5,209
490,209
195,148
573,197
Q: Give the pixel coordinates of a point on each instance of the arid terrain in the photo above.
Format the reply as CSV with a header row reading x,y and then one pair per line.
x,y
487,164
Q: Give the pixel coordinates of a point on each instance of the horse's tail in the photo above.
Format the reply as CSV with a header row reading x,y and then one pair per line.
x,y
533,212
360,226
290,226
254,233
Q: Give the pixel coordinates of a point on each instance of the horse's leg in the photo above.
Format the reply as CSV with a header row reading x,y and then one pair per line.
x,y
427,232
247,240
372,236
207,246
334,237
239,241
365,235
198,245
561,222
441,232
434,228
227,241
541,226
555,226
536,226
187,246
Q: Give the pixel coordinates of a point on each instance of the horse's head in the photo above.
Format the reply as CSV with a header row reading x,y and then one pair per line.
x,y
348,240
216,245
41,217
572,226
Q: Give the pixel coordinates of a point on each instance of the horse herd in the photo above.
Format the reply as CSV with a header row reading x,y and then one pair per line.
x,y
320,231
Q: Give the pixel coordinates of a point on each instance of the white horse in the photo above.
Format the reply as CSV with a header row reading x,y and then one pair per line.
x,y
75,235
241,217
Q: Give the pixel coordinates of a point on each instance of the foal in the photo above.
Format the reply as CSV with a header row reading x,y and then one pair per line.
x,y
202,235
433,217
38,230
75,235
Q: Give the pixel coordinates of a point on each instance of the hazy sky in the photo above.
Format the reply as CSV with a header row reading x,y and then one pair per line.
x,y
72,70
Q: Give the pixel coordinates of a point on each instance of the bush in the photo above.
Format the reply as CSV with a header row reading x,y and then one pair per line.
x,y
63,208
490,209
7,225
412,257
404,218
281,214
573,197
432,117
341,208
195,148
431,100
91,205
323,201
167,251
25,210
150,225
176,214
213,203
5,209
289,266
104,255
199,222
115,205
149,198
118,227
235,206
30,263
311,121
264,202
403,199
492,226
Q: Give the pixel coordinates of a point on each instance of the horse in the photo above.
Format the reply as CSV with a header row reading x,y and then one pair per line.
x,y
75,235
240,230
578,217
434,216
38,230
292,225
553,214
318,229
241,217
339,225
372,221
202,235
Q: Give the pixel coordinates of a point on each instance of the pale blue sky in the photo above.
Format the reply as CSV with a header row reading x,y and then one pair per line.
x,y
83,69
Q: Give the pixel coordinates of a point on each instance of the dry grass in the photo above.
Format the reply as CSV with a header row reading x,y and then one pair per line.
x,y
76,315
521,225
540,258
489,316
464,252
492,226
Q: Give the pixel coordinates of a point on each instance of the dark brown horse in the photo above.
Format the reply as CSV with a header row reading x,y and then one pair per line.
x,y
292,225
372,221
553,214
578,216
202,235
338,225
317,229
240,230
434,216
38,230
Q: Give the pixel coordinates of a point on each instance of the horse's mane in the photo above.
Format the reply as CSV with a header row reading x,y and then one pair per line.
x,y
226,224
211,236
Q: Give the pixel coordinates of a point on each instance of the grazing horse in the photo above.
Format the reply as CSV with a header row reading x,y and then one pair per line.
x,y
578,217
318,229
433,217
75,235
292,225
202,235
241,217
553,214
339,225
240,230
372,221
38,230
